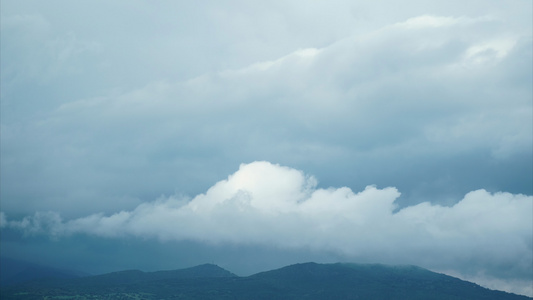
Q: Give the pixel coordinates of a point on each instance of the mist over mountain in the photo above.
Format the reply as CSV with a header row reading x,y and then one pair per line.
x,y
300,281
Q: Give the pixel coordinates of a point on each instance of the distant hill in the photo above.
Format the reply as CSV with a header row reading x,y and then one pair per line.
x,y
371,281
139,277
300,281
14,271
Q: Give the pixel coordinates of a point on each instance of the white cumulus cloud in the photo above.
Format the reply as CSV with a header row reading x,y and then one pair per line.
x,y
268,204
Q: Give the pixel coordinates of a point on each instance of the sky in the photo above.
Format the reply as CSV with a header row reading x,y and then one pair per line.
x,y
162,135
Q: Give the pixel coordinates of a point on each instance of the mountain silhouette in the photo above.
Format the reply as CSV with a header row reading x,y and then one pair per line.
x,y
299,281
14,271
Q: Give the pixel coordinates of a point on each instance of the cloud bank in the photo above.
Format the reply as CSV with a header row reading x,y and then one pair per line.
x,y
268,204
395,103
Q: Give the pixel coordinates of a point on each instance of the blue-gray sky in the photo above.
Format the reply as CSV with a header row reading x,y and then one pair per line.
x,y
162,135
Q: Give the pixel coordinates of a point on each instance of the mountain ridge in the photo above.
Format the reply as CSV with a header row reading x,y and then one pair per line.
x,y
134,276
298,281
13,271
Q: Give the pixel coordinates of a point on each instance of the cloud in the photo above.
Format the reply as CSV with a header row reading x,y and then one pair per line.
x,y
394,96
428,21
3,220
272,205
517,286
431,98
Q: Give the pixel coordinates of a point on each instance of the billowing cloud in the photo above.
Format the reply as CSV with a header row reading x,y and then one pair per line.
x,y
268,204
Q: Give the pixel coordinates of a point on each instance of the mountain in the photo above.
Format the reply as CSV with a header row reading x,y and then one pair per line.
x,y
139,277
300,281
14,271
371,281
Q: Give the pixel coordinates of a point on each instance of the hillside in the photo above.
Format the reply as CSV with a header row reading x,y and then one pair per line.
x,y
14,271
138,277
371,281
300,281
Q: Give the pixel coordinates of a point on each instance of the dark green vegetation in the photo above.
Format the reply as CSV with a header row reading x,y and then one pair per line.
x,y
301,281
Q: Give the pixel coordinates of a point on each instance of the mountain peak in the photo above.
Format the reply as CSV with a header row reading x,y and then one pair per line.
x,y
203,271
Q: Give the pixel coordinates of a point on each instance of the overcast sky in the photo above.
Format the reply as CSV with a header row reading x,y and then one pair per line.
x,y
160,135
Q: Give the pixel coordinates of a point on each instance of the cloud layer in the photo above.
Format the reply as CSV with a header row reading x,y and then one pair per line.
x,y
395,103
271,205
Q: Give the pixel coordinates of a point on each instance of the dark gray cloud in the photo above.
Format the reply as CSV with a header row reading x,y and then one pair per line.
x,y
433,99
